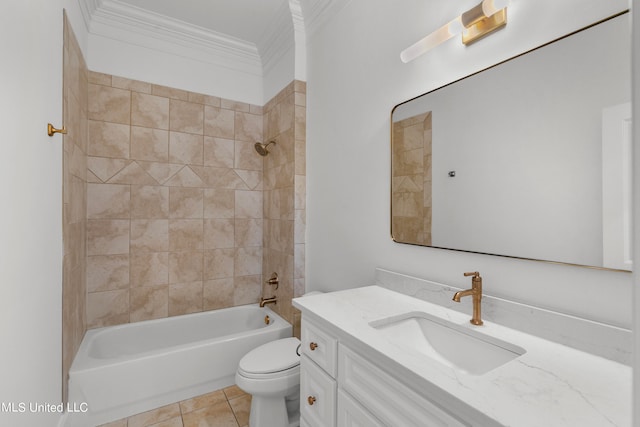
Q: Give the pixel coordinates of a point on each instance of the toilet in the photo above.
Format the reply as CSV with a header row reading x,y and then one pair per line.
x,y
271,374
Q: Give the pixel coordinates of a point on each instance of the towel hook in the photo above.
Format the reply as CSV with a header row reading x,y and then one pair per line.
x,y
51,130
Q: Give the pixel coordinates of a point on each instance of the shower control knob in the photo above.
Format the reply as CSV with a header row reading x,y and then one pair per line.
x,y
311,400
313,346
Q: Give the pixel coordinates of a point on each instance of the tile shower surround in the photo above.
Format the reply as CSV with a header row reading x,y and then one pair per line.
x,y
167,207
284,198
74,190
177,200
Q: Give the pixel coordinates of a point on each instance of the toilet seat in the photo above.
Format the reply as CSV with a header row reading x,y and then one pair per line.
x,y
274,359
291,372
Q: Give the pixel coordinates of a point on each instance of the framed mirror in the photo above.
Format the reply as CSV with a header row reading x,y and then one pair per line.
x,y
529,158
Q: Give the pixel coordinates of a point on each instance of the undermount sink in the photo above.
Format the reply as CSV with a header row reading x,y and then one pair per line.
x,y
459,347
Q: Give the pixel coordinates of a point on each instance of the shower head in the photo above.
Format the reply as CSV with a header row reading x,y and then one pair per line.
x,y
263,149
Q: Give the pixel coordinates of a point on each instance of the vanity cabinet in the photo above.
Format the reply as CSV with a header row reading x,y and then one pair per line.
x,y
317,395
320,346
341,387
317,377
386,398
352,414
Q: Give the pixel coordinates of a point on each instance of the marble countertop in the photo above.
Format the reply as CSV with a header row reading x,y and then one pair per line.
x,y
549,385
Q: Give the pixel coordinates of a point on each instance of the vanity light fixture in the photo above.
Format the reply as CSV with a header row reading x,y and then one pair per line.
x,y
475,23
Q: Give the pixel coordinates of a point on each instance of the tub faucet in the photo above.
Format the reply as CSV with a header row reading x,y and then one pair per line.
x,y
265,301
476,294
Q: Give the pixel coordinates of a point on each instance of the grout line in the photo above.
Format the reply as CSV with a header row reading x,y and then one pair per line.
x,y
233,412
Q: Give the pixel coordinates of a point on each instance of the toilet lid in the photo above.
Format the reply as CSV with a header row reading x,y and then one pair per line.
x,y
274,356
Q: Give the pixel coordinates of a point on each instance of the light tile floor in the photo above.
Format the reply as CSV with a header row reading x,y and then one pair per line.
x,y
228,407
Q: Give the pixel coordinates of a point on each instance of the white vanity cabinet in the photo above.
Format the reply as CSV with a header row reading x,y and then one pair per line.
x,y
352,414
340,387
317,377
384,397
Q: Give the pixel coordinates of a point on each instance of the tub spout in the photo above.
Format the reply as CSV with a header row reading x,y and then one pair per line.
x,y
265,301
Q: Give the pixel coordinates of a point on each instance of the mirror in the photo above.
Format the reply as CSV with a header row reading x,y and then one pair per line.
x,y
527,159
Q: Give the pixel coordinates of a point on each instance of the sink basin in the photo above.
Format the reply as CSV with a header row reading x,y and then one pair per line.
x,y
453,345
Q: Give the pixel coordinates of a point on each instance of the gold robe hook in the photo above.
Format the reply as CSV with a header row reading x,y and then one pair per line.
x,y
51,130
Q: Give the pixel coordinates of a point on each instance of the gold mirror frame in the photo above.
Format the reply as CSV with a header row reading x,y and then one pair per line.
x,y
425,119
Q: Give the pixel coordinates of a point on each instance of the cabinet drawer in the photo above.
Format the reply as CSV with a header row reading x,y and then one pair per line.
x,y
317,395
320,347
388,399
351,414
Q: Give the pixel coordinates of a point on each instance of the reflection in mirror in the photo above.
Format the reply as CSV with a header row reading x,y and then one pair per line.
x,y
528,159
411,181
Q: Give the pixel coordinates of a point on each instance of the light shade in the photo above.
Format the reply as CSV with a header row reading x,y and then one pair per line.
x,y
442,34
485,9
489,7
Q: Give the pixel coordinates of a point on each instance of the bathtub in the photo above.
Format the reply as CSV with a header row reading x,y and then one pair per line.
x,y
127,369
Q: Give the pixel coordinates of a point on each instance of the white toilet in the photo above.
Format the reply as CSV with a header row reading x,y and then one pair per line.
x,y
271,374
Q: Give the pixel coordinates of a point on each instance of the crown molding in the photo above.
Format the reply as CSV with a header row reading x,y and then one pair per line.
x,y
300,38
120,21
297,16
278,39
318,12
87,8
289,28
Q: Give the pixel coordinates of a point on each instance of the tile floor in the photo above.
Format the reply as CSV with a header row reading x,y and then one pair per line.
x,y
228,407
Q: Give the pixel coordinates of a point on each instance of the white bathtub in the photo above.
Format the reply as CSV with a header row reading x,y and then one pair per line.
x,y
127,369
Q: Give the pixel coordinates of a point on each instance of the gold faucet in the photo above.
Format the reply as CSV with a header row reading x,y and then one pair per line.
x,y
476,294
265,301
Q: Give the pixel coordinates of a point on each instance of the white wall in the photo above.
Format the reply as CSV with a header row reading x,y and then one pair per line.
x,y
280,49
348,153
636,208
31,217
173,68
278,75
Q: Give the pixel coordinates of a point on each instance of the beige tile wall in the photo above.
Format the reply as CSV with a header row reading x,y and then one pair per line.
x,y
174,202
411,181
175,199
75,195
284,197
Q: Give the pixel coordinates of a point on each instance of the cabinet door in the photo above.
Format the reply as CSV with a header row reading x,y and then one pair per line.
x,y
351,414
317,395
386,397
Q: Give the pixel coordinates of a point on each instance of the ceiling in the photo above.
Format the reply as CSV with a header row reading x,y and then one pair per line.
x,y
247,20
